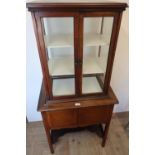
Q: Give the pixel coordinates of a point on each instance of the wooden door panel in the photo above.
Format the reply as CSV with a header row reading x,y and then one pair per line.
x,y
62,118
94,115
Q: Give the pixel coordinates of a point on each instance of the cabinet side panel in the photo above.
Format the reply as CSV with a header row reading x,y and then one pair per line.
x,y
42,56
112,49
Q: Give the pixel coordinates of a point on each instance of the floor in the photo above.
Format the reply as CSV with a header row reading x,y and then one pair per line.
x,y
83,142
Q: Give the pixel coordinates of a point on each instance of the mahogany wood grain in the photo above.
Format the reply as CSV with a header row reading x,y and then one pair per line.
x,y
112,49
80,54
43,62
94,115
61,118
48,105
76,52
105,133
43,103
47,130
76,6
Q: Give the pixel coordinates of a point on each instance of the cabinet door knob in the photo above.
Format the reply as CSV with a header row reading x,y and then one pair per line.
x,y
77,104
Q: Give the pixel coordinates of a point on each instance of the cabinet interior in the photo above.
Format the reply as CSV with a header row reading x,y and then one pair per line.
x,y
59,42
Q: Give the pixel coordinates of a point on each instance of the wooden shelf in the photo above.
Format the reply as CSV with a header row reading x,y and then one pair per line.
x,y
66,40
61,66
59,40
62,87
94,39
65,66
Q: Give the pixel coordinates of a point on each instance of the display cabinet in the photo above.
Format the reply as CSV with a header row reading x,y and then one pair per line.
x,y
76,44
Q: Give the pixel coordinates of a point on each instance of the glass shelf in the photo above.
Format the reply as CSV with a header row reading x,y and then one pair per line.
x,y
59,40
61,66
94,39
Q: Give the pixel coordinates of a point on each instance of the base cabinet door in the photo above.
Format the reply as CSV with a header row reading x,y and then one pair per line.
x,y
94,115
61,118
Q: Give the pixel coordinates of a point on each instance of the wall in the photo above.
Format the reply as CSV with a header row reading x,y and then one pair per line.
x,y
33,73
120,74
119,81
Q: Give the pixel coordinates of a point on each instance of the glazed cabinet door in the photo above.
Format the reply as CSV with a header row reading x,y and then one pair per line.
x,y
58,48
99,31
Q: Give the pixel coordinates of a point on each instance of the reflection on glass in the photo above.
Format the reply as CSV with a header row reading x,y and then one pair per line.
x,y
97,35
59,42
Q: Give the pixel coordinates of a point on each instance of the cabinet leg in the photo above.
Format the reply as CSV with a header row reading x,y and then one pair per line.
x,y
105,134
49,140
48,135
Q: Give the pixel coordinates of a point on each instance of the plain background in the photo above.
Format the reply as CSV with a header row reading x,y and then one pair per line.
x,y
120,74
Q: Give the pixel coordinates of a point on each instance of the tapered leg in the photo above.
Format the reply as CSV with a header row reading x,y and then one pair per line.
x,y
49,140
47,129
105,133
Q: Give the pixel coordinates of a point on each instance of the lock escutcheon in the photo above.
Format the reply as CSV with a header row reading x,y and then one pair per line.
x,y
77,104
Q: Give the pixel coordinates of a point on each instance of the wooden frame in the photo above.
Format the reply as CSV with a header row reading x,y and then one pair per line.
x,y
113,42
48,82
59,116
105,6
78,48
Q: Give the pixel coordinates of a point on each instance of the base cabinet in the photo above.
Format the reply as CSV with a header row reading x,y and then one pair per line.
x,y
66,115
74,118
69,118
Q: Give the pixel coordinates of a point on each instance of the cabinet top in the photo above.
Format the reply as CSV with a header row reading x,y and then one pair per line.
x,y
33,5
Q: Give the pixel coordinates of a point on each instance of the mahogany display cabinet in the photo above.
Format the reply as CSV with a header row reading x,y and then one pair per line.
x,y
76,45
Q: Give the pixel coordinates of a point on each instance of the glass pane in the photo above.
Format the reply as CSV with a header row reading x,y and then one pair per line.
x,y
63,86
97,35
59,42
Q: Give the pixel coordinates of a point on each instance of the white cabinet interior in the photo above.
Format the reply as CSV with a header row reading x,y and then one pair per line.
x,y
59,42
